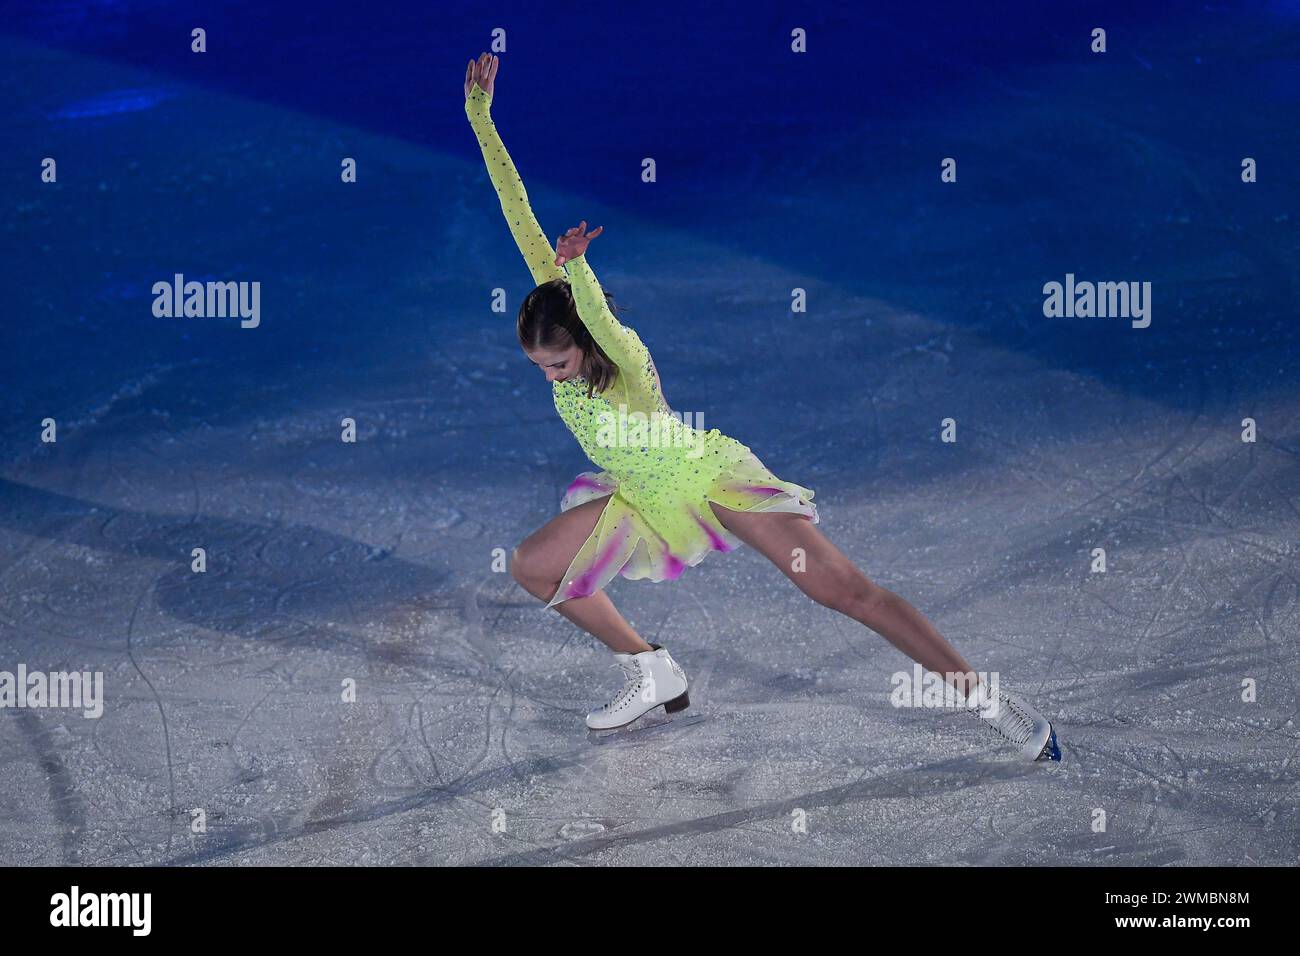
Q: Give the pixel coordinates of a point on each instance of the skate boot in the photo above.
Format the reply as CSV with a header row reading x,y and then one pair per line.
x,y
653,679
1016,722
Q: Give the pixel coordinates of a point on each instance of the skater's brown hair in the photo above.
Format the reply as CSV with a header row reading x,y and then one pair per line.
x,y
548,319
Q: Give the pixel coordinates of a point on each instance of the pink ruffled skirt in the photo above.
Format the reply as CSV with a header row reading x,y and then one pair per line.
x,y
656,530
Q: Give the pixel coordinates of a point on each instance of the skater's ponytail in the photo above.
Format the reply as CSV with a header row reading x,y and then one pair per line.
x,y
548,319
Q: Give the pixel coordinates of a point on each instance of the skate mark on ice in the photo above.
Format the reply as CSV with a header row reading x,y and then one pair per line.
x,y
259,588
879,788
162,716
248,837
66,802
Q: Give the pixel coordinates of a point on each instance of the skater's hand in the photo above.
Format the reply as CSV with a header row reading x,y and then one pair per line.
x,y
574,243
483,72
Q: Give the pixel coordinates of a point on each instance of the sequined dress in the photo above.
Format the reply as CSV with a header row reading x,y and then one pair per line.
x,y
657,472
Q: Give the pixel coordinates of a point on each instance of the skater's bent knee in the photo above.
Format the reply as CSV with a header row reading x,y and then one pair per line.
x,y
529,570
523,564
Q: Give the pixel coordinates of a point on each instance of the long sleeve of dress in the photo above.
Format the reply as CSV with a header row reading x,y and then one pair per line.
x,y
621,344
530,239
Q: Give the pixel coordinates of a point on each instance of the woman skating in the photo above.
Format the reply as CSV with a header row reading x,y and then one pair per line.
x,y
668,494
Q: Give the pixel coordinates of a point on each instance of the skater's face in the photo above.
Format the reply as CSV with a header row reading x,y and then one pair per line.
x,y
558,366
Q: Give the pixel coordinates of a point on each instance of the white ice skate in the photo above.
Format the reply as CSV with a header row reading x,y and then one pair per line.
x,y
654,679
1016,722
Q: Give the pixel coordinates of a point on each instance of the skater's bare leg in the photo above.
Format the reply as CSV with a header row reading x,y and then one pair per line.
x,y
597,616
831,579
541,559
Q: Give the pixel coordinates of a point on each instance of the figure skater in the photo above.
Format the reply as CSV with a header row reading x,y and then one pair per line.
x,y
667,494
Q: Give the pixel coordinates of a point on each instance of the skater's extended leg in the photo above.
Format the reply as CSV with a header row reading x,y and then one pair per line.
x,y
831,579
541,559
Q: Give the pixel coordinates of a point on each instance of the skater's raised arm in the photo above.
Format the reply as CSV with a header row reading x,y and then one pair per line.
x,y
480,78
621,344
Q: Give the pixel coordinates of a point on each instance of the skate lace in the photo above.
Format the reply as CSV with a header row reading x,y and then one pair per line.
x,y
632,674
1011,723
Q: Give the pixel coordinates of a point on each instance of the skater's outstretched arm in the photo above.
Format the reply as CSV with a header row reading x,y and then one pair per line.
x,y
480,79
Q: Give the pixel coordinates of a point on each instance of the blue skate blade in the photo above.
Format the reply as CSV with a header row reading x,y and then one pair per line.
x,y
1050,750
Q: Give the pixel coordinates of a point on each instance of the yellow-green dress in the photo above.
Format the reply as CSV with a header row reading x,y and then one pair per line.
x,y
657,471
